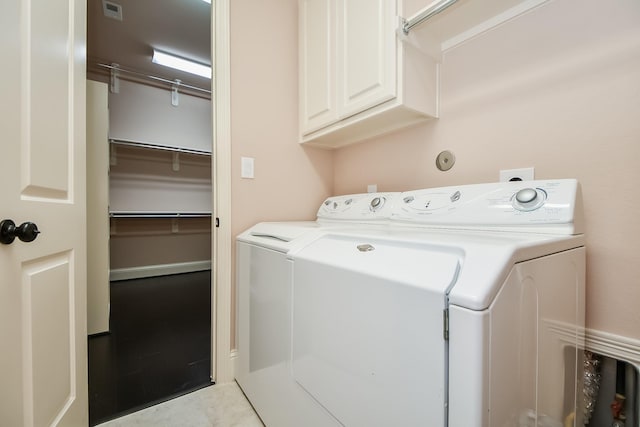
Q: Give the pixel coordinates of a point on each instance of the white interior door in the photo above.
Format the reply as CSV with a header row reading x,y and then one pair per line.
x,y
42,179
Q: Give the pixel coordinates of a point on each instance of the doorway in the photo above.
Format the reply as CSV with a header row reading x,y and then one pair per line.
x,y
120,16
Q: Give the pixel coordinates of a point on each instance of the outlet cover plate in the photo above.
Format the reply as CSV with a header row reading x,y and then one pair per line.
x,y
525,174
246,167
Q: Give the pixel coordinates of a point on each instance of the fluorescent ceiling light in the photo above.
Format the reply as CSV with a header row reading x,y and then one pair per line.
x,y
181,64
207,1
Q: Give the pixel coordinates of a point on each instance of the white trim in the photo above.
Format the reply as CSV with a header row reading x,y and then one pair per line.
x,y
233,357
157,270
491,23
222,363
604,343
615,346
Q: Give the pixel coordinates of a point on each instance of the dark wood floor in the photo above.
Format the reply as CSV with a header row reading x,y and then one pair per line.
x,y
159,345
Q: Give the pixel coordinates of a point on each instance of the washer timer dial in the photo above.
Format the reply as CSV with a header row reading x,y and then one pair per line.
x,y
529,199
376,203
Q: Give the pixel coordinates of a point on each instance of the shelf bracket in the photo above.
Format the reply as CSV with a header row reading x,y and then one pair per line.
x,y
176,162
114,81
113,155
175,228
175,97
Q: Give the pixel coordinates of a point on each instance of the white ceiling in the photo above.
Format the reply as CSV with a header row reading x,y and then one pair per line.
x,y
181,27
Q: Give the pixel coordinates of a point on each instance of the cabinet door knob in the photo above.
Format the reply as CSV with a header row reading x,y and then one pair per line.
x,y
26,232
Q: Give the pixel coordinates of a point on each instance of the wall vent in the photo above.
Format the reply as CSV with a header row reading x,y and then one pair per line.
x,y
112,10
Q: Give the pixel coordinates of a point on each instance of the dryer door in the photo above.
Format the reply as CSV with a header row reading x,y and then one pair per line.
x,y
368,339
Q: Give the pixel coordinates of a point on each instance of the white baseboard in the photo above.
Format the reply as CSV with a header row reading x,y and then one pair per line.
x,y
234,360
606,344
158,270
611,345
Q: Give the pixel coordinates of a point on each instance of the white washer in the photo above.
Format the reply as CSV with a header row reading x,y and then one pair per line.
x,y
466,312
264,278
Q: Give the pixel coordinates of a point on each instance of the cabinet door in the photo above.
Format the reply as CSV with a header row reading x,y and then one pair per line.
x,y
366,54
317,28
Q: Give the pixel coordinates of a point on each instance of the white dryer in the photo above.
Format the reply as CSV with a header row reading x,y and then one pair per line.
x,y
264,278
467,311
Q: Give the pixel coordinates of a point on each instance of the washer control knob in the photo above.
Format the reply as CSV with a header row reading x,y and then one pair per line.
x,y
526,195
529,199
376,203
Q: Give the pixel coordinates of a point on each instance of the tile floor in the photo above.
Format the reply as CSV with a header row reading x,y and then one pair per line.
x,y
216,406
159,345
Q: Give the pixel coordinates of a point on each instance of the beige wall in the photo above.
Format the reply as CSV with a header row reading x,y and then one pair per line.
x,y
143,243
290,181
557,89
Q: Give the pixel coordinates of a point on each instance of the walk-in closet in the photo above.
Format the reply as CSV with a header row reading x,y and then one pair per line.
x,y
149,197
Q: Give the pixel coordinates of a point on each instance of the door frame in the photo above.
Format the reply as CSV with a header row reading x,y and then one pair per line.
x,y
222,357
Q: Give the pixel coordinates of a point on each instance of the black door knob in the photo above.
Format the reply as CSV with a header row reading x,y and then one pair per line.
x,y
26,232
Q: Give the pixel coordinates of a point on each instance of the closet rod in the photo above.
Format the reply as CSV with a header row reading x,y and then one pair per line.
x,y
159,147
425,14
159,214
156,78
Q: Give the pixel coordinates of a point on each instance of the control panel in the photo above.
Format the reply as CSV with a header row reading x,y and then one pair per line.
x,y
358,207
543,204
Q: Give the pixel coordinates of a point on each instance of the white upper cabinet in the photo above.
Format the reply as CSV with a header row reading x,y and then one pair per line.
x,y
367,69
357,80
318,105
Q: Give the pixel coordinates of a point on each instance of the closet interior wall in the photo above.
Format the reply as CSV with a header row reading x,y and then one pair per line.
x,y
160,217
159,195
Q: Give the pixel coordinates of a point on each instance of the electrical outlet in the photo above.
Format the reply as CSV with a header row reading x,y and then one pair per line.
x,y
523,174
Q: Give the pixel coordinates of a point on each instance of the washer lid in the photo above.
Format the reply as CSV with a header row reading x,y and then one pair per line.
x,y
285,232
417,264
279,236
